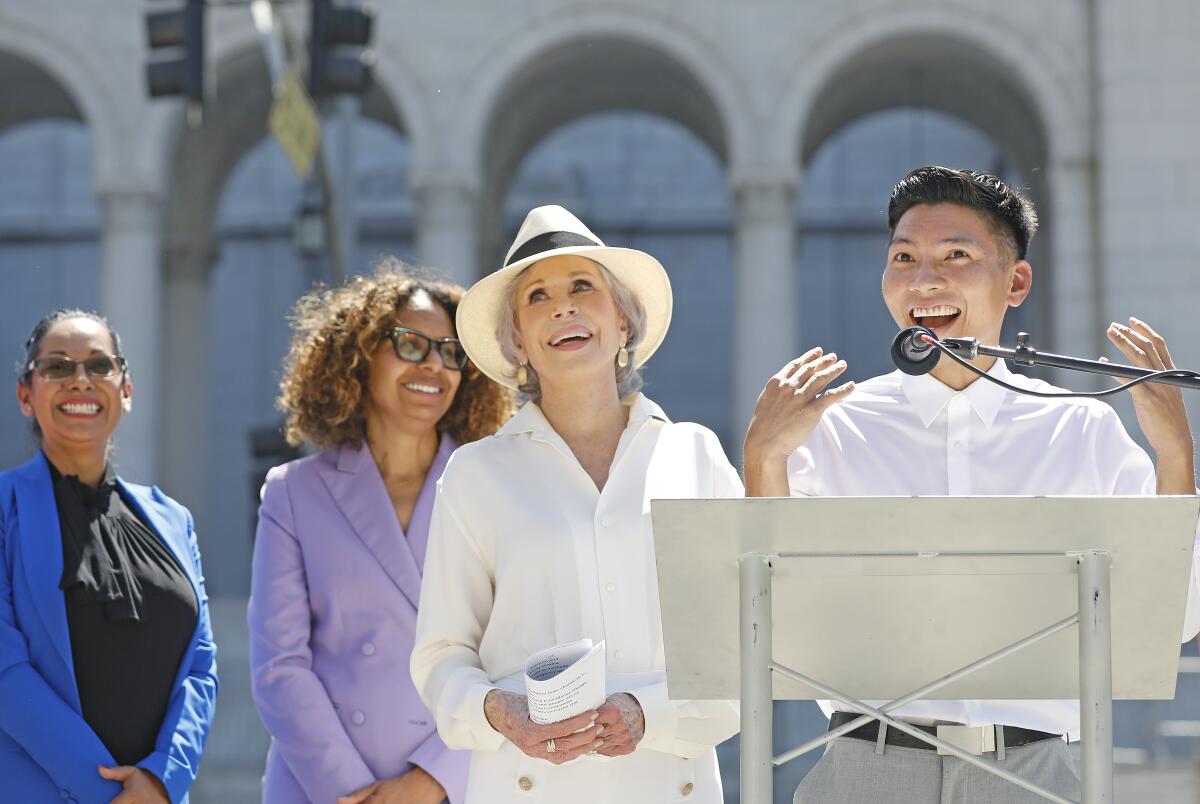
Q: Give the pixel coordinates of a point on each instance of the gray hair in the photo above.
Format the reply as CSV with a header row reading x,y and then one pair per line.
x,y
629,378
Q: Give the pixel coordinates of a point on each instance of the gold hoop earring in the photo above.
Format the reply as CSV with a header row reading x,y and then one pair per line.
x,y
623,357
522,375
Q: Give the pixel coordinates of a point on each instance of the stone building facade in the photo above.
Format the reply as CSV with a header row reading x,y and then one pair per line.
x,y
1091,103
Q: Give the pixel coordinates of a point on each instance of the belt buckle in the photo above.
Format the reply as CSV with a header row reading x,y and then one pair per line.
x,y
977,740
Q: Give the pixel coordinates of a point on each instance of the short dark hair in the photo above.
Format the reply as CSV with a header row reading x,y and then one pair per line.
x,y
1013,216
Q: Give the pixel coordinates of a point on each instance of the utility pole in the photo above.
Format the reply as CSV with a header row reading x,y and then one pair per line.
x,y
338,63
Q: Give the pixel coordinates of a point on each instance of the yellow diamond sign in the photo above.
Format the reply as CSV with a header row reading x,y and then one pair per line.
x,y
295,124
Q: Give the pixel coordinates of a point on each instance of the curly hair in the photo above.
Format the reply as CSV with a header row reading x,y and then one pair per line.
x,y
335,331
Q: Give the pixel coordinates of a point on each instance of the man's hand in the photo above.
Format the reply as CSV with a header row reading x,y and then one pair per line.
x,y
414,787
509,714
1160,409
141,786
786,414
624,724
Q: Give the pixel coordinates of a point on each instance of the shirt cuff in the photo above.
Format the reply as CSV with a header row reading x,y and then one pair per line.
x,y
168,771
486,737
447,766
658,713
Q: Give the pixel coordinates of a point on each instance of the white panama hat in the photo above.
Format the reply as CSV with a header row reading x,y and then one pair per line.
x,y
552,231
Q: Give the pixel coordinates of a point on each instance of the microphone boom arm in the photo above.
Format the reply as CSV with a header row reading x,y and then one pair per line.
x,y
1026,355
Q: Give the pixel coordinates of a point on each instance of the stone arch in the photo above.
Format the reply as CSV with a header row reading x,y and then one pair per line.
x,y
1007,59
714,104
198,162
571,65
57,87
985,73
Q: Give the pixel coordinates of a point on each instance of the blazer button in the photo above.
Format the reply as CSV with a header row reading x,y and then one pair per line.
x,y
525,784
368,649
686,789
358,718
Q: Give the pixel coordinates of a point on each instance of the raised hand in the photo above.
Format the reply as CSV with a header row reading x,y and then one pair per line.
x,y
1160,410
785,415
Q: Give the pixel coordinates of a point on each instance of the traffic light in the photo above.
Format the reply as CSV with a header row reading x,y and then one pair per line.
x,y
337,59
175,37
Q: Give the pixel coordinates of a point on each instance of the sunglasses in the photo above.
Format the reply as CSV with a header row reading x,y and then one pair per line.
x,y
61,367
413,347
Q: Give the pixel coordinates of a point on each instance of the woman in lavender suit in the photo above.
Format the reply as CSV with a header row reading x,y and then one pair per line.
x,y
378,380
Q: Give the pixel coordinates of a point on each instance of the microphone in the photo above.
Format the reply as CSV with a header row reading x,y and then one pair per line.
x,y
912,354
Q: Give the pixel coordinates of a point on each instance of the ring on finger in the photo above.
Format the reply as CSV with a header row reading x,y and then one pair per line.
x,y
550,747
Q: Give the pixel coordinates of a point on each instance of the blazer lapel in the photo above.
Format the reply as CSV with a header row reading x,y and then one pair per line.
x,y
358,490
418,527
41,550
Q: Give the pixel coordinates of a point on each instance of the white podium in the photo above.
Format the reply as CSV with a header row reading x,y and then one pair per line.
x,y
895,599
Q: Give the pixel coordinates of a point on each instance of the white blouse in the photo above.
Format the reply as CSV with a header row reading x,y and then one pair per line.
x,y
525,553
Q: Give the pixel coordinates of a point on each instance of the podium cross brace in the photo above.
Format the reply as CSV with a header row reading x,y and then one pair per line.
x,y
1095,683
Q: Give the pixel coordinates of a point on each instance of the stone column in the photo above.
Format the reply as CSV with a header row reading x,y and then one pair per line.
x,y
1078,303
448,226
186,374
766,322
131,299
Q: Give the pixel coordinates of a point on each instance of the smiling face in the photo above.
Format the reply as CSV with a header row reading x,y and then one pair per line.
x,y
568,325
81,412
412,396
950,270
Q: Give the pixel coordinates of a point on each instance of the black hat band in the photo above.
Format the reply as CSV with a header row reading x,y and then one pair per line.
x,y
548,242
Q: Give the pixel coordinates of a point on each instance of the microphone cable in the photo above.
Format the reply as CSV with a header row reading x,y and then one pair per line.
x,y
1180,373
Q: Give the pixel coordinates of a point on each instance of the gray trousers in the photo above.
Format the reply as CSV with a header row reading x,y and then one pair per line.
x,y
850,772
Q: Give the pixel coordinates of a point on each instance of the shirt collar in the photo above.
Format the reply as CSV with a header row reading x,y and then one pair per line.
x,y
929,396
530,419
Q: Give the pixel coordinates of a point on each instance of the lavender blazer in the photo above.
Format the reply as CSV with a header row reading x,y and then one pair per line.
x,y
333,613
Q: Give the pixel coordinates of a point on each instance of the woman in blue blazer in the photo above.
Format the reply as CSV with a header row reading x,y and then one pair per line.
x,y
107,665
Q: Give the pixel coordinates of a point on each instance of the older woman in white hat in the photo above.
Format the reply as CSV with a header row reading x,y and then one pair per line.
x,y
541,534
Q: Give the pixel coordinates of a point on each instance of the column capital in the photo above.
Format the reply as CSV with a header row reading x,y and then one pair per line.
x,y
764,177
764,196
190,259
130,208
426,182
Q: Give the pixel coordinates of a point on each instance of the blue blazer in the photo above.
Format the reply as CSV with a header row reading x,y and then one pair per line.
x,y
47,750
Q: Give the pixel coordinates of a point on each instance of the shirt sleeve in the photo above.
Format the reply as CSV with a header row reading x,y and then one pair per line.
x,y
1131,472
448,767
803,466
456,604
291,700
684,728
689,728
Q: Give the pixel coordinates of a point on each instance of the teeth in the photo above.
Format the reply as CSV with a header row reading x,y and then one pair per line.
x,y
573,335
81,409
941,309
424,389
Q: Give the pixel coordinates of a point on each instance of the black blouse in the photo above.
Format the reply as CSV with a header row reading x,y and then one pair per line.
x,y
131,611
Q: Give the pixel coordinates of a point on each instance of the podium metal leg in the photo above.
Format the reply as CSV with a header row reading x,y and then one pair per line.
x,y
1095,677
757,693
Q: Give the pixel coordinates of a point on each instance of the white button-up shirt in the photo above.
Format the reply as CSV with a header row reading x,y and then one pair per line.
x,y
914,436
526,553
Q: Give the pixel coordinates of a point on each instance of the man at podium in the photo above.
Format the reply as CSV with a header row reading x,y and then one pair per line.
x,y
955,264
